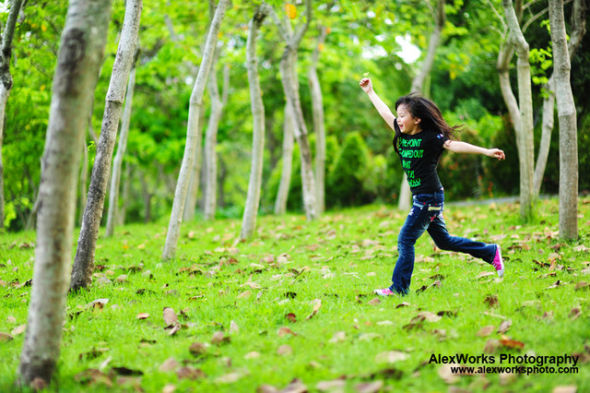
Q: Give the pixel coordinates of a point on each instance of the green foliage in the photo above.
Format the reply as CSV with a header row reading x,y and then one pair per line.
x,y
345,185
339,260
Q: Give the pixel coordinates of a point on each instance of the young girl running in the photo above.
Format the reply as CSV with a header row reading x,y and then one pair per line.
x,y
421,134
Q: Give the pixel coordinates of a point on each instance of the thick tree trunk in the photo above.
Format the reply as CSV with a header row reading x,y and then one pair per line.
x,y
81,48
6,85
405,196
566,109
318,124
210,155
255,183
84,260
524,133
287,161
196,102
118,162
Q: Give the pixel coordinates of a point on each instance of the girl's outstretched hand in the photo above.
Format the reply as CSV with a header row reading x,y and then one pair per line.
x,y
496,153
366,85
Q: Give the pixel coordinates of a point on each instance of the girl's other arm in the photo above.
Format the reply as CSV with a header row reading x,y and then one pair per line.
x,y
463,147
381,107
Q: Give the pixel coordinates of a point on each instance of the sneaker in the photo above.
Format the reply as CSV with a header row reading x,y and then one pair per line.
x,y
497,262
384,292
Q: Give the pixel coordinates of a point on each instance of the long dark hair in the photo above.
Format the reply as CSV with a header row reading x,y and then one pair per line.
x,y
426,110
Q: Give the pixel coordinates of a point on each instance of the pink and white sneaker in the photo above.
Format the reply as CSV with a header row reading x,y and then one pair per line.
x,y
497,262
384,292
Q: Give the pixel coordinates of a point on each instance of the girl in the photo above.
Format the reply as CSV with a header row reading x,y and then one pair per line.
x,y
421,134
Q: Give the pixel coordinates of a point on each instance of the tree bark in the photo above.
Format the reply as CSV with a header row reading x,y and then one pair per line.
x,y
118,162
287,161
196,102
291,88
84,260
524,133
82,44
6,85
405,195
318,124
578,23
125,196
83,180
566,110
210,155
255,183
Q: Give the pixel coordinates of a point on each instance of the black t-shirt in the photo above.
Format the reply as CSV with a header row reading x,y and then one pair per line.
x,y
419,155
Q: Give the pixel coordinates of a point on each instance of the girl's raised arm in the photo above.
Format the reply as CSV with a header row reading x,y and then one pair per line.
x,y
381,107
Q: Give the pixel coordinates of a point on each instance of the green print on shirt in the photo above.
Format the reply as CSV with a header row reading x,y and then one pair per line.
x,y
411,153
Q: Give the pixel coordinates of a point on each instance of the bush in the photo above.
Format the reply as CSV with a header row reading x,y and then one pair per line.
x,y
347,176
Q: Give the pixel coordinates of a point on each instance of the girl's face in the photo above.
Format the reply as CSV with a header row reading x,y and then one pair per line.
x,y
407,123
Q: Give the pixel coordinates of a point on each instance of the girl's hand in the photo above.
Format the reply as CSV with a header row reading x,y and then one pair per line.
x,y
496,153
366,85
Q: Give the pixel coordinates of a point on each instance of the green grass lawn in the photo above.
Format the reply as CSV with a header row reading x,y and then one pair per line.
x,y
296,302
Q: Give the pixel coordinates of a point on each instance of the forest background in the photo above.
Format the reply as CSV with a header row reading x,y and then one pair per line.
x,y
374,37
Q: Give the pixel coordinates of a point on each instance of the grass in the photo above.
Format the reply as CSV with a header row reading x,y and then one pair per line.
x,y
250,291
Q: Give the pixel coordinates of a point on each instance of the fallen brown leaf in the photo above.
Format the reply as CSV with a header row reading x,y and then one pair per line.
x,y
565,389
169,388
504,326
143,315
491,300
447,374
317,303
93,376
575,313
18,330
170,318
284,350
291,317
486,330
510,343
334,386
220,338
169,364
188,372
403,304
369,387
5,337
374,301
491,346
390,357
296,386
197,349
283,331
233,328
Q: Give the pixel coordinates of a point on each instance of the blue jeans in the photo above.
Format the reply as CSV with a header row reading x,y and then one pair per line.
x,y
426,214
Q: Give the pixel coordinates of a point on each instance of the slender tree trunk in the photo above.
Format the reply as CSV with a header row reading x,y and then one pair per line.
x,y
287,161
3,98
83,180
196,102
6,85
81,48
524,134
288,68
405,195
318,124
210,155
84,260
125,196
566,109
255,183
147,198
118,162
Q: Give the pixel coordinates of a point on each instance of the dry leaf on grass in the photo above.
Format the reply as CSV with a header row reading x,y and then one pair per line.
x,y
446,373
283,331
337,337
317,304
169,364
491,300
510,343
575,313
170,318
374,301
486,331
504,326
5,337
198,349
369,387
284,350
390,357
566,389
291,317
335,386
296,386
143,315
233,328
169,388
20,329
188,372
220,338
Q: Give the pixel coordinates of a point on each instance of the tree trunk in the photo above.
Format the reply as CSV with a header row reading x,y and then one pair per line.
x,y
83,180
210,155
125,196
196,102
82,44
255,183
405,195
6,86
288,68
578,23
566,110
285,183
524,133
147,198
318,124
84,260
118,162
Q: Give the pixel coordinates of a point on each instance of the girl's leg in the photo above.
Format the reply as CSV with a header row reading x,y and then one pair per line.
x,y
415,225
444,241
